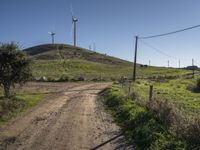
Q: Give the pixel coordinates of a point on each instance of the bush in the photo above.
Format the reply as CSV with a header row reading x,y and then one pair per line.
x,y
192,134
81,79
43,79
113,79
73,80
63,78
50,79
194,88
10,105
14,67
163,111
198,83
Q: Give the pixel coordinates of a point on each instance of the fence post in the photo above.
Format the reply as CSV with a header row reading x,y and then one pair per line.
x,y
150,92
129,88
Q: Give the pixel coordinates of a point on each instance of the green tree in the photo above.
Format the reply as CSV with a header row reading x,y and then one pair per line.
x,y
14,67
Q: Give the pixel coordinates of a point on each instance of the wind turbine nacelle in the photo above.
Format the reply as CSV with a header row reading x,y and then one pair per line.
x,y
74,19
51,33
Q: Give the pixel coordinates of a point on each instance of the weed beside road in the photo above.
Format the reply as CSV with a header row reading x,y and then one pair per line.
x,y
157,124
140,126
15,105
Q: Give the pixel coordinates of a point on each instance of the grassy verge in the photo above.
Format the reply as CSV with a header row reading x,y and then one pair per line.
x,y
142,127
177,91
14,106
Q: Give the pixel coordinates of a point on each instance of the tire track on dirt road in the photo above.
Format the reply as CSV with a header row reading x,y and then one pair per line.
x,y
71,120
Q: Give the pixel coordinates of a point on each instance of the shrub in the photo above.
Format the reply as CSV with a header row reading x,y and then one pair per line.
x,y
9,105
163,110
50,79
198,83
73,80
192,134
95,79
194,88
43,79
81,78
14,67
63,78
113,79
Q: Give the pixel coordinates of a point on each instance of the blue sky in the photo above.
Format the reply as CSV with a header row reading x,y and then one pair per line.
x,y
111,24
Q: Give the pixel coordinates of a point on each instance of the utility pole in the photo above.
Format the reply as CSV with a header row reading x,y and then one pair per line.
x,y
168,63
90,47
192,67
192,62
94,47
179,63
149,63
135,59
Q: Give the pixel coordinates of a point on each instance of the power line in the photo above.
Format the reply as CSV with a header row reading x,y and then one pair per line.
x,y
173,32
163,53
158,50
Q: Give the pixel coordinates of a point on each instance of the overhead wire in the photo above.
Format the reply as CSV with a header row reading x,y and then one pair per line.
x,y
158,50
169,33
165,34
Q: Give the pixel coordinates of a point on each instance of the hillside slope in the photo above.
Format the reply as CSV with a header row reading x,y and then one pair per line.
x,y
58,60
64,51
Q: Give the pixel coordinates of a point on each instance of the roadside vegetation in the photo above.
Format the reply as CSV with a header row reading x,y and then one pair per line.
x,y
14,70
169,121
13,106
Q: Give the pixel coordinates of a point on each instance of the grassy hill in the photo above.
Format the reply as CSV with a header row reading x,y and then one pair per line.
x,y
63,51
58,60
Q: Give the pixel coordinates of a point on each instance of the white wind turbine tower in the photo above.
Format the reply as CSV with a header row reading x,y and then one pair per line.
x,y
52,36
74,21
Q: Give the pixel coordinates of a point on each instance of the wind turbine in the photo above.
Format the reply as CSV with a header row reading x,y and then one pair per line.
x,y
52,36
74,21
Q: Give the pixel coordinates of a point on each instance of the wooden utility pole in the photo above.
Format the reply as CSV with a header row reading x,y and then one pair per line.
x,y
192,67
135,59
90,47
150,92
94,47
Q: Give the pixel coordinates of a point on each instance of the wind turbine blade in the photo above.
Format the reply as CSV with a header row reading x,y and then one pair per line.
x,y
71,10
53,28
72,19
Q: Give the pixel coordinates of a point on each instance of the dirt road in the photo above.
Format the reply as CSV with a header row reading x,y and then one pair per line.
x,y
70,119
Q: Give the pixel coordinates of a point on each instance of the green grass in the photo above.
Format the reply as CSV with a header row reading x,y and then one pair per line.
x,y
14,106
55,60
75,68
141,127
170,121
186,101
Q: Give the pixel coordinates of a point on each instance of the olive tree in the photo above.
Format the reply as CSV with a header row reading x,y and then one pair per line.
x,y
14,67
